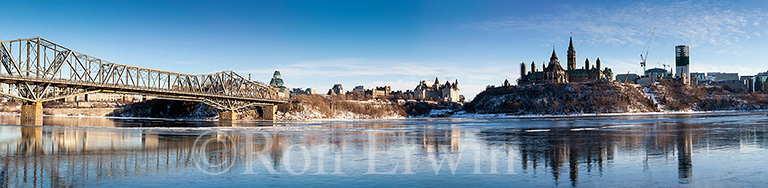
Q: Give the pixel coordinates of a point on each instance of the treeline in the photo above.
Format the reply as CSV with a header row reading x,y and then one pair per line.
x,y
338,106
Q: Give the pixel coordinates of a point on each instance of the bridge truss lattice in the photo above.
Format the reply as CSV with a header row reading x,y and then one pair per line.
x,y
38,70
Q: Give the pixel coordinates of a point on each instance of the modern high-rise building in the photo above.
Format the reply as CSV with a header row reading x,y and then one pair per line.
x,y
682,62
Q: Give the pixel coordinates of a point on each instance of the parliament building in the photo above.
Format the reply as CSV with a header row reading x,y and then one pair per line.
x,y
552,72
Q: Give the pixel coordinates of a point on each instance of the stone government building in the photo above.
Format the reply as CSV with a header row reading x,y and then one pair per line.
x,y
554,73
448,92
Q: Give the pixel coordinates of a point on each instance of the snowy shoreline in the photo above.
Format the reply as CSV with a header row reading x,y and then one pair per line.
x,y
462,114
458,114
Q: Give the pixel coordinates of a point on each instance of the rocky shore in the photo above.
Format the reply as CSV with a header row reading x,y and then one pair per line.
x,y
610,97
579,98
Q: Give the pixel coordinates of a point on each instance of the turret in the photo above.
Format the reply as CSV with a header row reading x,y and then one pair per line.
x,y
456,84
533,66
598,63
522,70
586,64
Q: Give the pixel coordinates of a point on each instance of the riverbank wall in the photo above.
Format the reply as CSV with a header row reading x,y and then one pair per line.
x,y
80,111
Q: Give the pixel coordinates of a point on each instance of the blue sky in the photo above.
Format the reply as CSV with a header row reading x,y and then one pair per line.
x,y
398,43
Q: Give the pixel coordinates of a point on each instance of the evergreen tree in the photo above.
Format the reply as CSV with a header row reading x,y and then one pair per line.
x,y
759,85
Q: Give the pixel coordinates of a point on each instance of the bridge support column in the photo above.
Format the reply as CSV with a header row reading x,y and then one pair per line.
x,y
269,112
227,118
32,113
228,115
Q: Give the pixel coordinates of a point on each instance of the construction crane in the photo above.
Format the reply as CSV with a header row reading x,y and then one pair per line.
x,y
664,65
644,58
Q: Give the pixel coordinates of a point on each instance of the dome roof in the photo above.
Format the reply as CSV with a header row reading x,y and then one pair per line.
x,y
276,82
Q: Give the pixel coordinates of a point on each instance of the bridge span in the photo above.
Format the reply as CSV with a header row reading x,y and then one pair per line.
x,y
36,70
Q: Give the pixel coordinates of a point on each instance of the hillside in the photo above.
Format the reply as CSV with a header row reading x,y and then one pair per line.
x,y
159,108
306,107
674,96
572,98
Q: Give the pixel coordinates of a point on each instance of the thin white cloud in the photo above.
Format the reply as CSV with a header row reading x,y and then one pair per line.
x,y
370,72
186,63
725,68
372,67
694,22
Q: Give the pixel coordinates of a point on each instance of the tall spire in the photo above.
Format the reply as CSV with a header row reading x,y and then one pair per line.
x,y
571,56
554,56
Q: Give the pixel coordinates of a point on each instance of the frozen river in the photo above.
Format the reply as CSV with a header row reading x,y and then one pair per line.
x,y
669,150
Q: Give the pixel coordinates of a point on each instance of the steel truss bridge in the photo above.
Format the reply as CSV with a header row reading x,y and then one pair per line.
x,y
38,70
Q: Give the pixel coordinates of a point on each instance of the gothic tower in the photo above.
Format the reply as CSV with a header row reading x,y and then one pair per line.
x,y
571,56
586,65
598,64
522,70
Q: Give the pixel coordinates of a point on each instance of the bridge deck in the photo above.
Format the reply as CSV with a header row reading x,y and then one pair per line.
x,y
127,89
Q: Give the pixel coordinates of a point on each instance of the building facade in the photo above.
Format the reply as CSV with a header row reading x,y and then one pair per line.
x,y
304,91
359,89
723,76
448,92
382,91
627,78
552,72
337,89
277,82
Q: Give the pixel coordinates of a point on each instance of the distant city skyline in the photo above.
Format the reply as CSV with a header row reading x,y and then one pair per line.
x,y
316,44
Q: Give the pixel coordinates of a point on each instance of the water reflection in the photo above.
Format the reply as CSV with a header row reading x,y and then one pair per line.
x,y
61,156
577,153
576,147
70,157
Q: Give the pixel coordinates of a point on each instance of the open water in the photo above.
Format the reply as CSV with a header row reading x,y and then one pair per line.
x,y
667,150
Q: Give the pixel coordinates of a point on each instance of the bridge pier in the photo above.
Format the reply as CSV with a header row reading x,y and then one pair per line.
x,y
268,112
227,115
31,113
